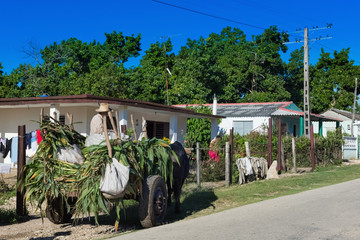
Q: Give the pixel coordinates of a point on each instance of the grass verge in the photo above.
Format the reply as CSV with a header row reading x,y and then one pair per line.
x,y
199,202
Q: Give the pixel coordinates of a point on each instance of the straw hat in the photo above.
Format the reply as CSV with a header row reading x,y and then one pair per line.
x,y
104,107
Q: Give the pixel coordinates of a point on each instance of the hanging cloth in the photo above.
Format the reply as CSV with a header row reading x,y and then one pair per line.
x,y
7,147
14,150
38,135
28,140
34,143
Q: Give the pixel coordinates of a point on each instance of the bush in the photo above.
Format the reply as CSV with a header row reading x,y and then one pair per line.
x,y
327,150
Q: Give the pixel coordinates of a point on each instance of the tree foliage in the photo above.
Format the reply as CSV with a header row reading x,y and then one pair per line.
x,y
229,64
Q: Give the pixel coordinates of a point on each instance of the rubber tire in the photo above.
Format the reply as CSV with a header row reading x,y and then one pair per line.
x,y
56,210
150,214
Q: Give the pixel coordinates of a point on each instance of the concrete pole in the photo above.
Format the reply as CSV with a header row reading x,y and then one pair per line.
x,y
307,110
198,164
227,164
354,106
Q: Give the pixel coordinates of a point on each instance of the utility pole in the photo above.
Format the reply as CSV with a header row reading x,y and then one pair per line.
x,y
253,80
307,121
353,113
307,109
166,76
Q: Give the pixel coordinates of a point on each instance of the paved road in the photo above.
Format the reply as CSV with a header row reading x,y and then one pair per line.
x,y
326,213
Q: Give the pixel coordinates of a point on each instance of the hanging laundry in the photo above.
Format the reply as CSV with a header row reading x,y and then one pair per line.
x,y
28,140
7,147
2,147
34,143
14,149
38,134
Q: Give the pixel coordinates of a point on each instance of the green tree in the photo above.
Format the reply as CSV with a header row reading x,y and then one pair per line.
x,y
333,81
199,129
148,81
76,67
268,82
294,77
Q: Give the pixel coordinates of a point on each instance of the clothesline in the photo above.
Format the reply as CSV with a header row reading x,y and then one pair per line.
x,y
32,140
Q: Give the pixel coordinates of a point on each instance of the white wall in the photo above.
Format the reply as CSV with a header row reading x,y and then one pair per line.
x,y
227,123
13,117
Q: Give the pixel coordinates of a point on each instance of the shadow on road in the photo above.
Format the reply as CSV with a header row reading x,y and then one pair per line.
x,y
193,201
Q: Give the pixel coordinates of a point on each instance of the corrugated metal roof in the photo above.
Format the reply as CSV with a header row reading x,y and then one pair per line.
x,y
345,113
248,110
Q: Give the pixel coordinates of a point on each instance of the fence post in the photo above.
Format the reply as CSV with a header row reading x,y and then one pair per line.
x,y
231,154
279,163
198,164
247,149
20,200
312,151
270,143
294,153
227,164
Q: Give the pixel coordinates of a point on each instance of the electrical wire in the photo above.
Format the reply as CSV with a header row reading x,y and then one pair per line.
x,y
209,15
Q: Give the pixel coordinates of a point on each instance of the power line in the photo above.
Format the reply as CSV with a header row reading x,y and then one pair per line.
x,y
209,15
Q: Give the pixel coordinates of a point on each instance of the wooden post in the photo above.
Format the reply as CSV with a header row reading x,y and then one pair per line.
x,y
283,156
279,163
113,124
312,151
198,164
20,196
144,130
247,149
231,153
294,153
227,164
70,118
133,126
117,123
270,143
41,115
106,135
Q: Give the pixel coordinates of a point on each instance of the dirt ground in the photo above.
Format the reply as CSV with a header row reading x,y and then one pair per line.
x,y
35,228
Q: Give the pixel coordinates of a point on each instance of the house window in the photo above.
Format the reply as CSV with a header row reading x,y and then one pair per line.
x,y
243,127
157,129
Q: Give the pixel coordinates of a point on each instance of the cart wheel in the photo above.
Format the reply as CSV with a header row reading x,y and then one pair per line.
x,y
56,210
153,202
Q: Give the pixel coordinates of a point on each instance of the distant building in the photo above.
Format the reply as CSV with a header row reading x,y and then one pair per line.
x,y
345,124
248,117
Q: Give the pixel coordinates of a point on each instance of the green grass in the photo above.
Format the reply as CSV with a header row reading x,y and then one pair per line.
x,y
202,201
199,202
7,216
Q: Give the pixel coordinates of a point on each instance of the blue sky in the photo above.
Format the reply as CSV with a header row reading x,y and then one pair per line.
x,y
44,22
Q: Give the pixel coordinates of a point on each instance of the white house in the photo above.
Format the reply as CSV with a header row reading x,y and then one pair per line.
x,y
345,124
247,117
162,120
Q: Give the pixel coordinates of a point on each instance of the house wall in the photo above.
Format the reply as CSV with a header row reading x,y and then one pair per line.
x,y
259,122
228,123
82,115
331,126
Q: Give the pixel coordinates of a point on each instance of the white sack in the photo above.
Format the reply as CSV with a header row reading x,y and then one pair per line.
x,y
95,139
71,154
114,182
